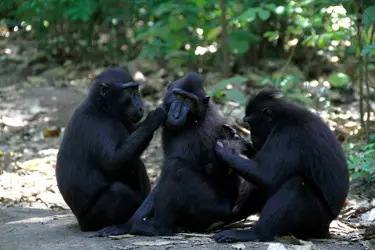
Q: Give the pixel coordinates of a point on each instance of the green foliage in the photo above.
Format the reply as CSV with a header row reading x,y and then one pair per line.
x,y
368,50
221,91
369,16
187,33
182,32
339,80
361,161
368,21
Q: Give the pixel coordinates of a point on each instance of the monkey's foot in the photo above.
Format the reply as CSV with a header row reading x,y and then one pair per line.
x,y
150,228
235,236
114,230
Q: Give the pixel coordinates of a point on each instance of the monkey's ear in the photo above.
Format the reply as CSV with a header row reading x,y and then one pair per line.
x,y
268,113
169,84
103,89
206,99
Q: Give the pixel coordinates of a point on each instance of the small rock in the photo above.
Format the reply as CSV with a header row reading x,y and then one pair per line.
x,y
55,72
238,246
36,80
276,246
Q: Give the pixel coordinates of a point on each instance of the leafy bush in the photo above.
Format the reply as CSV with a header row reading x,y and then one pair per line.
x,y
361,161
182,33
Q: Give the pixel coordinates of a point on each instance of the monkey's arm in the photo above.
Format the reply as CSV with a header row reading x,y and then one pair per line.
x,y
265,171
132,147
249,150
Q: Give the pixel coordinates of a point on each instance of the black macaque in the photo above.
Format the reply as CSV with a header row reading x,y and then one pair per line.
x,y
99,171
193,191
299,165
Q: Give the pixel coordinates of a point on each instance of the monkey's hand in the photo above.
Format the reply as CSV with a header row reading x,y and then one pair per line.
x,y
249,149
221,148
157,116
232,131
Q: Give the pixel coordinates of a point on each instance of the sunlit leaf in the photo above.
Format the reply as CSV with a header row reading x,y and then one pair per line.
x,y
214,33
199,2
338,79
248,16
323,39
264,14
280,10
271,35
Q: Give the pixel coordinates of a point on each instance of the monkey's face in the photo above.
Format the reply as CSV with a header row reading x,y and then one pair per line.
x,y
123,100
186,101
132,104
184,108
260,124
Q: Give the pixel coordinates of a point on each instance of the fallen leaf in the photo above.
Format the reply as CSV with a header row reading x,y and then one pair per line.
x,y
50,132
189,235
123,236
152,243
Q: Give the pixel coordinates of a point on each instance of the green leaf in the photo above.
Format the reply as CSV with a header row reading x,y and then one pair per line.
x,y
368,50
352,166
338,80
238,44
164,8
357,175
270,6
236,96
214,33
199,2
324,39
369,152
372,138
369,16
264,14
143,35
248,16
176,24
271,35
232,80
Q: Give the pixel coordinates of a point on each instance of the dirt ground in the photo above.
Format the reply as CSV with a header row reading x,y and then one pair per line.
x,y
29,189
25,228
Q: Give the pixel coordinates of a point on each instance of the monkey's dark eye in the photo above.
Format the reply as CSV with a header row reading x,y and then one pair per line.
x,y
179,96
188,101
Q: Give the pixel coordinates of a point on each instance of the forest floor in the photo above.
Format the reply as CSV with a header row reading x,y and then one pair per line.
x,y
36,100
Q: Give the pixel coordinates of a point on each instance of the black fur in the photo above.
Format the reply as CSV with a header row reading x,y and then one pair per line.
x,y
194,190
99,171
300,166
